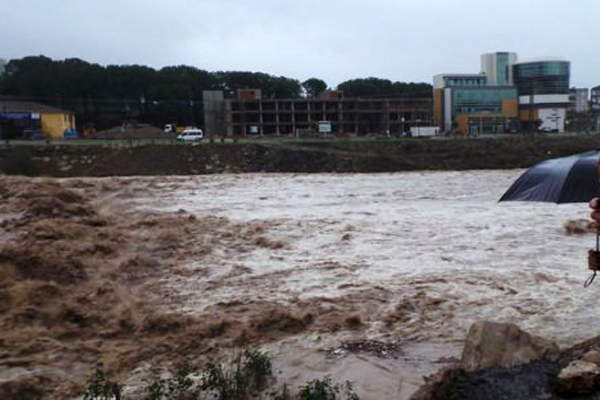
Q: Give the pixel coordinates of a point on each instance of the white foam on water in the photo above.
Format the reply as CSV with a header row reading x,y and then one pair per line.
x,y
439,233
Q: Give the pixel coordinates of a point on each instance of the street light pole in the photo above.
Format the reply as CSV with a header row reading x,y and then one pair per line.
x,y
532,125
192,116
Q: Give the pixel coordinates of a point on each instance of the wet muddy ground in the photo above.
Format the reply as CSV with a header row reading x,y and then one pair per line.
x,y
372,278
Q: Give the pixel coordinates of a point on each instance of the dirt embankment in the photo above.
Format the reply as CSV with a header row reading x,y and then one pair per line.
x,y
273,156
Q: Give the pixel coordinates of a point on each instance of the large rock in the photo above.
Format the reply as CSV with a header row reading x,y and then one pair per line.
x,y
578,378
579,226
491,344
592,356
438,384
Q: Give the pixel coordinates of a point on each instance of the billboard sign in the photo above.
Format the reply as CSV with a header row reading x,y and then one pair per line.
x,y
324,126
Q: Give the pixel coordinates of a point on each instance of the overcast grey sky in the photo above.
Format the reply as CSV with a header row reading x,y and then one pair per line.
x,y
335,40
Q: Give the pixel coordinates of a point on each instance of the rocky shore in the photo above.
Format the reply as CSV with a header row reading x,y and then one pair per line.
x,y
500,361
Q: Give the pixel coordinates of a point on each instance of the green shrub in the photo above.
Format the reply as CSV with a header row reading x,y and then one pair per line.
x,y
248,374
180,386
99,387
324,389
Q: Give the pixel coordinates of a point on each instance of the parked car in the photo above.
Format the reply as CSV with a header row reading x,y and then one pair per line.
x,y
191,134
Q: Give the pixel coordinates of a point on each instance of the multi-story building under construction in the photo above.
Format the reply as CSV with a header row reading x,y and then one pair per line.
x,y
250,114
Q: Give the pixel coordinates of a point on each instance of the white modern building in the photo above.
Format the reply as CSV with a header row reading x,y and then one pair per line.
x,y
543,89
498,67
507,95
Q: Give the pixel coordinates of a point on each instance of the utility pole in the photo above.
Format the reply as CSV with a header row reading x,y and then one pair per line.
x,y
192,116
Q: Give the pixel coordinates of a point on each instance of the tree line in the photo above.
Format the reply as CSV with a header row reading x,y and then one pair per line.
x,y
105,96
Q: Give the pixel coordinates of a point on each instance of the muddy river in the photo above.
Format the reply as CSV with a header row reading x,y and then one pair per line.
x,y
406,259
419,256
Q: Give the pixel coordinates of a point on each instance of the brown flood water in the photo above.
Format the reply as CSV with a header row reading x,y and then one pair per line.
x,y
144,273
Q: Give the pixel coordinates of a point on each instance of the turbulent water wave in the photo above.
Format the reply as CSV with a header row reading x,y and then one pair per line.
x,y
443,233
417,256
294,263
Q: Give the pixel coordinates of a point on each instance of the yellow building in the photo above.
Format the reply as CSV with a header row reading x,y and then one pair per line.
x,y
27,119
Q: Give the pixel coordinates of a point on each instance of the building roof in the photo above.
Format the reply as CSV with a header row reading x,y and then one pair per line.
x,y
540,60
473,75
489,88
20,106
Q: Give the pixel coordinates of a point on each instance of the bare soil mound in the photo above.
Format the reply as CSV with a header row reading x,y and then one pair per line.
x,y
130,131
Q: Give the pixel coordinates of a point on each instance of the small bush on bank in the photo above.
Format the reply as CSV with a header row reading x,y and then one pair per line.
x,y
180,386
247,376
99,387
324,389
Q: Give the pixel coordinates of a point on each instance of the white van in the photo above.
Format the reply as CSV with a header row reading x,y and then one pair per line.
x,y
191,134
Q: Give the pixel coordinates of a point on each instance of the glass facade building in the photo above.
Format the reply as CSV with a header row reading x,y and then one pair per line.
x,y
507,95
542,77
452,81
543,87
485,109
503,69
481,99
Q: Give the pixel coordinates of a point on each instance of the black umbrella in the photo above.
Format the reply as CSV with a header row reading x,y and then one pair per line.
x,y
572,179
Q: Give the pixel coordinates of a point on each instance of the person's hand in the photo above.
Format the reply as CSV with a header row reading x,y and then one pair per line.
x,y
595,206
594,260
593,255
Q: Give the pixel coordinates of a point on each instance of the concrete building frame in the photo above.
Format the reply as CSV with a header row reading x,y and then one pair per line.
x,y
302,116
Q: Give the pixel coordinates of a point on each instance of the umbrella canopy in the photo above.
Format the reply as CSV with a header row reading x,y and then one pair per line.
x,y
572,179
